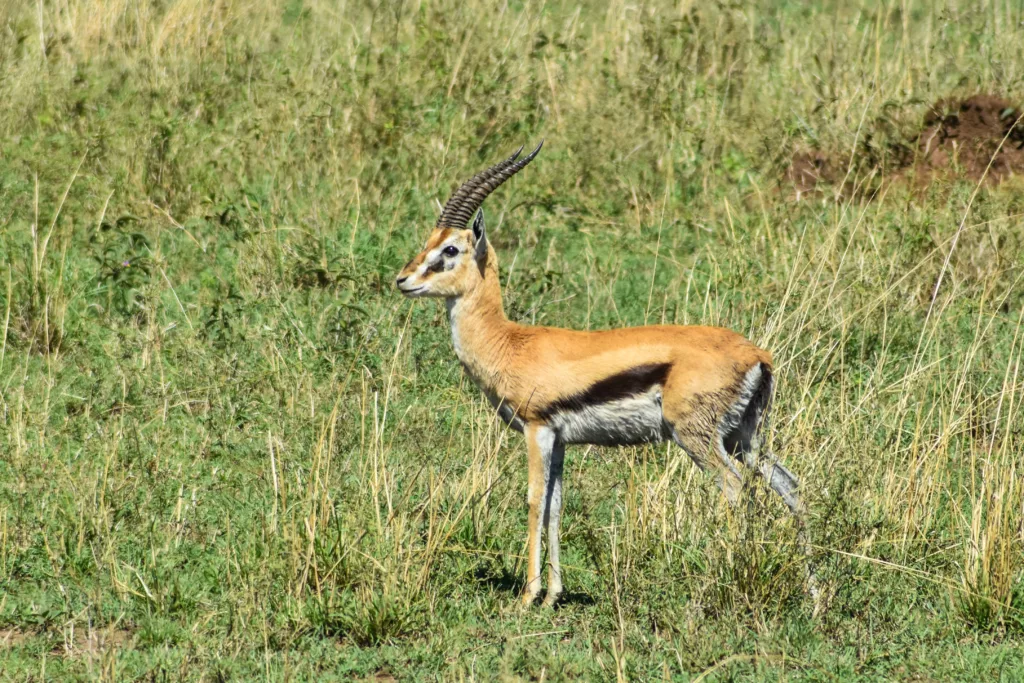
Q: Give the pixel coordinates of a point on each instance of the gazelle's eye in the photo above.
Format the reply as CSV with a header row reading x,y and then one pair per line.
x,y
451,251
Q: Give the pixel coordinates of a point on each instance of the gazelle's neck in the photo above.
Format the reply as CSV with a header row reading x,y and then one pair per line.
x,y
480,329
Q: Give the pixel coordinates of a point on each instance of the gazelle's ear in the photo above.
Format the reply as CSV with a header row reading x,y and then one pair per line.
x,y
480,235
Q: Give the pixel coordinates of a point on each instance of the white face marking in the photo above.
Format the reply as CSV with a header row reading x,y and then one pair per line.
x,y
432,256
436,253
628,421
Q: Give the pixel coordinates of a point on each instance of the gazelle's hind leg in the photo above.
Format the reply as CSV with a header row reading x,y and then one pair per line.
x,y
699,448
693,427
782,481
721,442
785,483
740,431
743,438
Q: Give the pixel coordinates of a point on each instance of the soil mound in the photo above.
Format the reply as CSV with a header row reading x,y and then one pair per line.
x,y
957,137
965,135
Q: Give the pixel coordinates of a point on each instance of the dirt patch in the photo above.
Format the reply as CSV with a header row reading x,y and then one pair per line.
x,y
812,172
958,137
92,642
965,135
13,637
73,641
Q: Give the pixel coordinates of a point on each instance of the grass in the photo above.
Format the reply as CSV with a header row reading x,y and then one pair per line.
x,y
229,450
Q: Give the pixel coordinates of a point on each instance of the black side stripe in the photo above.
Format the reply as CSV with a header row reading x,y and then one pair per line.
x,y
622,385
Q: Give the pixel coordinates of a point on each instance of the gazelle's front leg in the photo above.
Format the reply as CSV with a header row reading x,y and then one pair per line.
x,y
553,518
539,442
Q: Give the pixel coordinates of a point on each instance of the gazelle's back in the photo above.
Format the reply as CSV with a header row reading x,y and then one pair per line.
x,y
557,366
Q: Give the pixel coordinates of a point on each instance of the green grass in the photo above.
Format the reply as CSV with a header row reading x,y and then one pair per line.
x,y
230,450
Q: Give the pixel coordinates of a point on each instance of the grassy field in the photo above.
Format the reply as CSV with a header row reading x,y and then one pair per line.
x,y
230,451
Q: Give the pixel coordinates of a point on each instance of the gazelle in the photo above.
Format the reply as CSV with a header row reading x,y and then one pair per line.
x,y
707,389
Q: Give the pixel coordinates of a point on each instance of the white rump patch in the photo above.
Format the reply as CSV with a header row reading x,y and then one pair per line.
x,y
733,418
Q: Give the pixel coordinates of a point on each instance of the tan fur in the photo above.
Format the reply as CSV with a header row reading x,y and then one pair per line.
x,y
529,369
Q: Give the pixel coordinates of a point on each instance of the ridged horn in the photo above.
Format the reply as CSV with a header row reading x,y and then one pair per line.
x,y
467,199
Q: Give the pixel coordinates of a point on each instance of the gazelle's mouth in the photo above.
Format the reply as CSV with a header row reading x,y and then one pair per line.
x,y
412,292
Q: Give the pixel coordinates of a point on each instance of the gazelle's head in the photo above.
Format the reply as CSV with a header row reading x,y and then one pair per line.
x,y
454,259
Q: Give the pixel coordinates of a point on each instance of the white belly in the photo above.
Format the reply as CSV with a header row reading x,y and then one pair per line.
x,y
624,422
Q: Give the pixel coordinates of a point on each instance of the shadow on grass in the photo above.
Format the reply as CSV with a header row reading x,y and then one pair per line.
x,y
499,579
504,580
570,598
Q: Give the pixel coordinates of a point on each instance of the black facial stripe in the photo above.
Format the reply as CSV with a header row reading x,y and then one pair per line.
x,y
436,267
622,385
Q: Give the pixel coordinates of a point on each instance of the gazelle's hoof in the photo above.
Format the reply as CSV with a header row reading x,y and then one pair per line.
x,y
554,591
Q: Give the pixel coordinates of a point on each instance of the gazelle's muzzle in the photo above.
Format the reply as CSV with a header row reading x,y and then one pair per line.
x,y
409,281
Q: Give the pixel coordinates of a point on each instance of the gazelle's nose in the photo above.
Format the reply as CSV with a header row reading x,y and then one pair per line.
x,y
400,280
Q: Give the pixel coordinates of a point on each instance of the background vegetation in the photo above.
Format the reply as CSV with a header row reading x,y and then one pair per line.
x,y
229,450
